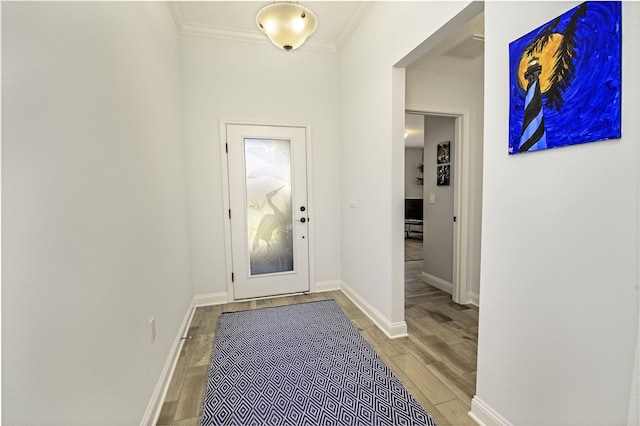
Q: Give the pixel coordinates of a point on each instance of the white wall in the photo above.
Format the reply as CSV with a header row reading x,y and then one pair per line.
x,y
559,305
452,91
634,396
372,122
438,217
251,82
94,209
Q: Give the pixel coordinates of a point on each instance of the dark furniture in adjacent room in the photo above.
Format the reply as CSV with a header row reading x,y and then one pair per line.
x,y
413,216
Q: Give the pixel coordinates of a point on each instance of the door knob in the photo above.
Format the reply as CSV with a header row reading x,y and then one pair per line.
x,y
303,220
302,208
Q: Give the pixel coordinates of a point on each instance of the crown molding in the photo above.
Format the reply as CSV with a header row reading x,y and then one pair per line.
x,y
234,34
354,21
225,33
177,16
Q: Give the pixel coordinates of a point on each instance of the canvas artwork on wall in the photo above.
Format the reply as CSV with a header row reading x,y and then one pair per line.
x,y
444,175
565,80
443,152
443,158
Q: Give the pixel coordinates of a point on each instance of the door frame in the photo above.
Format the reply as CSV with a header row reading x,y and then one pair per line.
x,y
461,193
224,178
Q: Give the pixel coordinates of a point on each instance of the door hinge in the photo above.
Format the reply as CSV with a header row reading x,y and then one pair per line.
x,y
226,147
232,277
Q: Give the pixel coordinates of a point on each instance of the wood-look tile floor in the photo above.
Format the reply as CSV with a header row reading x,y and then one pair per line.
x,y
437,362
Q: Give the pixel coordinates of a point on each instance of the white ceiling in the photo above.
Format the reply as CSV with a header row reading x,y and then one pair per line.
x,y
236,20
440,59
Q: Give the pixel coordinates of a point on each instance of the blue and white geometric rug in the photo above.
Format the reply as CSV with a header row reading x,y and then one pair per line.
x,y
302,364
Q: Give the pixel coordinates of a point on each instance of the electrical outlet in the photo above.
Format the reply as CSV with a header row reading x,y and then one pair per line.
x,y
152,327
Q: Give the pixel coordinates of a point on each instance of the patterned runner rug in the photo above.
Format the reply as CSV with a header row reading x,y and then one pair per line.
x,y
302,364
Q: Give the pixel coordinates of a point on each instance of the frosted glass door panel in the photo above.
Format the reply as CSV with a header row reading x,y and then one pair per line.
x,y
269,220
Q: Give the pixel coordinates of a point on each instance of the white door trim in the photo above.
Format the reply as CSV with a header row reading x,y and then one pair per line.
x,y
461,185
224,175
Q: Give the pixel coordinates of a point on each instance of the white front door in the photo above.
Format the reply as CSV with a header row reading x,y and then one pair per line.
x,y
269,216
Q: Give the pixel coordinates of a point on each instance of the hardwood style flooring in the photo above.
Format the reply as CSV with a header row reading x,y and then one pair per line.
x,y
437,362
413,249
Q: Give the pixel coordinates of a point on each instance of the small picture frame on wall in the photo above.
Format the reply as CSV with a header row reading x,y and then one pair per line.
x,y
444,174
443,155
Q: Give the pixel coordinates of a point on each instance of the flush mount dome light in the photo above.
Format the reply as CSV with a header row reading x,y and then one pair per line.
x,y
287,24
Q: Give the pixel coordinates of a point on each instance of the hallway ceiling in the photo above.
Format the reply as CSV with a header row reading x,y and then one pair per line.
x,y
461,54
236,20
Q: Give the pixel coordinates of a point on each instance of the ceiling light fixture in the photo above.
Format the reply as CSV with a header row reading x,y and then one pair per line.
x,y
287,24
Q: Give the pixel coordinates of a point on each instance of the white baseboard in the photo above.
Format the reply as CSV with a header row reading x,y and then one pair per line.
x,y
484,415
321,286
210,299
392,330
221,298
154,407
473,299
438,283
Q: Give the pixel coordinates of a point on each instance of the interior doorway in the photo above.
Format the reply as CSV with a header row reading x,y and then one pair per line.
x,y
444,258
430,197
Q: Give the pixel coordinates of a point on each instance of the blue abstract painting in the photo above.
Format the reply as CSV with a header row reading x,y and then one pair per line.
x,y
565,80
